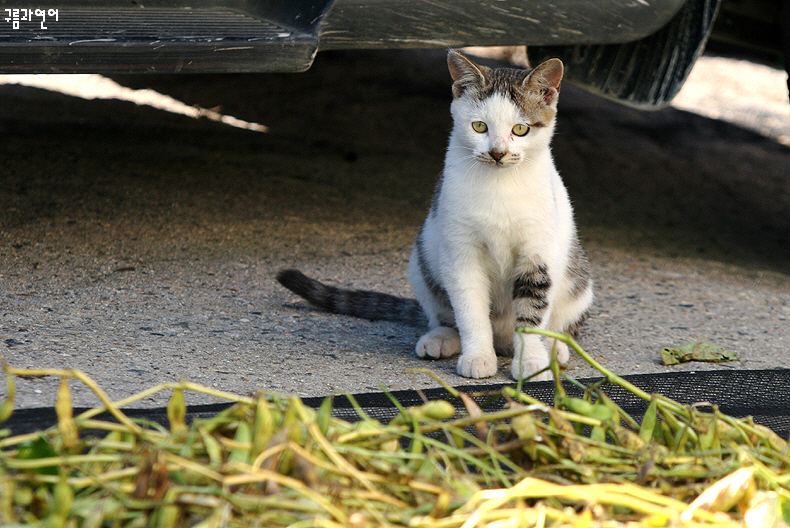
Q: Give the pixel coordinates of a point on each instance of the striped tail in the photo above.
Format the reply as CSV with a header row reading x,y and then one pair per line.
x,y
357,303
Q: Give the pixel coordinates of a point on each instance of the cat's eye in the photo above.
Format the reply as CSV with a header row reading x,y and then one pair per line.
x,y
520,130
479,126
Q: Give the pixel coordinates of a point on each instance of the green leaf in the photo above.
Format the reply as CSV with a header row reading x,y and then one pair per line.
x,y
35,449
707,352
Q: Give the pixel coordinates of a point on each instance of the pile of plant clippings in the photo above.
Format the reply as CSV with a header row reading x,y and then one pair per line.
x,y
270,461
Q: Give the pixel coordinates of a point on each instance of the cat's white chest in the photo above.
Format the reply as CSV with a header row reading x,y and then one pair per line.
x,y
502,208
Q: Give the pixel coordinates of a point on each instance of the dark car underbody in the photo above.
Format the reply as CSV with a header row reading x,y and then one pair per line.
x,y
635,51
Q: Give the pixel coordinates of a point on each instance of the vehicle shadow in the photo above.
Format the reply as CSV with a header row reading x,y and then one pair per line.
x,y
358,140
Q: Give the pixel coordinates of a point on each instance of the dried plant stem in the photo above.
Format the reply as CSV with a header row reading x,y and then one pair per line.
x,y
88,382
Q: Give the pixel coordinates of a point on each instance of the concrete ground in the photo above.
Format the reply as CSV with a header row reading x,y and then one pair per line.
x,y
141,247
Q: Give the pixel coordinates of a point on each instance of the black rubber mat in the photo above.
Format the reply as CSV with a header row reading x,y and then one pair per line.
x,y
762,394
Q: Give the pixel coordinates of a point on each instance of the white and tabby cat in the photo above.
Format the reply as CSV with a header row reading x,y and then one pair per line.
x,y
499,248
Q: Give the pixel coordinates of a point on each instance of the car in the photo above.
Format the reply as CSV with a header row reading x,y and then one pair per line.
x,y
637,52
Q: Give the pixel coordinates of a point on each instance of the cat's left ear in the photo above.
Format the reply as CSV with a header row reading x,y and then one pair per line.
x,y
465,73
545,79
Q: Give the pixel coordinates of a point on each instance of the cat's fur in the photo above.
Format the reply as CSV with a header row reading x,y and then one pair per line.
x,y
499,248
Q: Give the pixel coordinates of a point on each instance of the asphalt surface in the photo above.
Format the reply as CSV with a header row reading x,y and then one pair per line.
x,y
141,247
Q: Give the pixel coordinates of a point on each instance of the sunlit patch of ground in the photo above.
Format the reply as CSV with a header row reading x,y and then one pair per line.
x,y
751,95
90,86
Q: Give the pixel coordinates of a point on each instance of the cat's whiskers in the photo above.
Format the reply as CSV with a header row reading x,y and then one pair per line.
x,y
462,159
464,147
477,167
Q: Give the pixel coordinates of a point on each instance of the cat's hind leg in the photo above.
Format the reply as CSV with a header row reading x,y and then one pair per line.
x,y
440,342
442,339
571,307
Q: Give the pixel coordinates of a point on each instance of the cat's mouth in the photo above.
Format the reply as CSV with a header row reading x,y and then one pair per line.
x,y
500,162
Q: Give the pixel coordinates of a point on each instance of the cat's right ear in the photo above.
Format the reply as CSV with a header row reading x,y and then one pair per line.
x,y
465,73
545,79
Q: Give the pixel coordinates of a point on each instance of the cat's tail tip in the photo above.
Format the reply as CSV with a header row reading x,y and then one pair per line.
x,y
357,303
295,280
287,275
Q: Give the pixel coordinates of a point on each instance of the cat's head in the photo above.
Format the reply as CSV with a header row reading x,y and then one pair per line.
x,y
503,116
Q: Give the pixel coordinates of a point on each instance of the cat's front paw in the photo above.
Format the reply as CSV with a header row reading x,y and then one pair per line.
x,y
477,366
530,356
527,369
561,349
441,342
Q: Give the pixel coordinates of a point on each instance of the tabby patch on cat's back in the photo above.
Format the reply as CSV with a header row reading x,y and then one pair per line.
x,y
499,248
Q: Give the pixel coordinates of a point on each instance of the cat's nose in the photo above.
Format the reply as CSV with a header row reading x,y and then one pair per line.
x,y
497,154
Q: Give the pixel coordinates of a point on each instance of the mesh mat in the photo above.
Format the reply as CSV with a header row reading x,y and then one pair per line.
x,y
763,394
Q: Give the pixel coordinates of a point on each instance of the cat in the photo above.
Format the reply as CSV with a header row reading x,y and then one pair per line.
x,y
499,248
